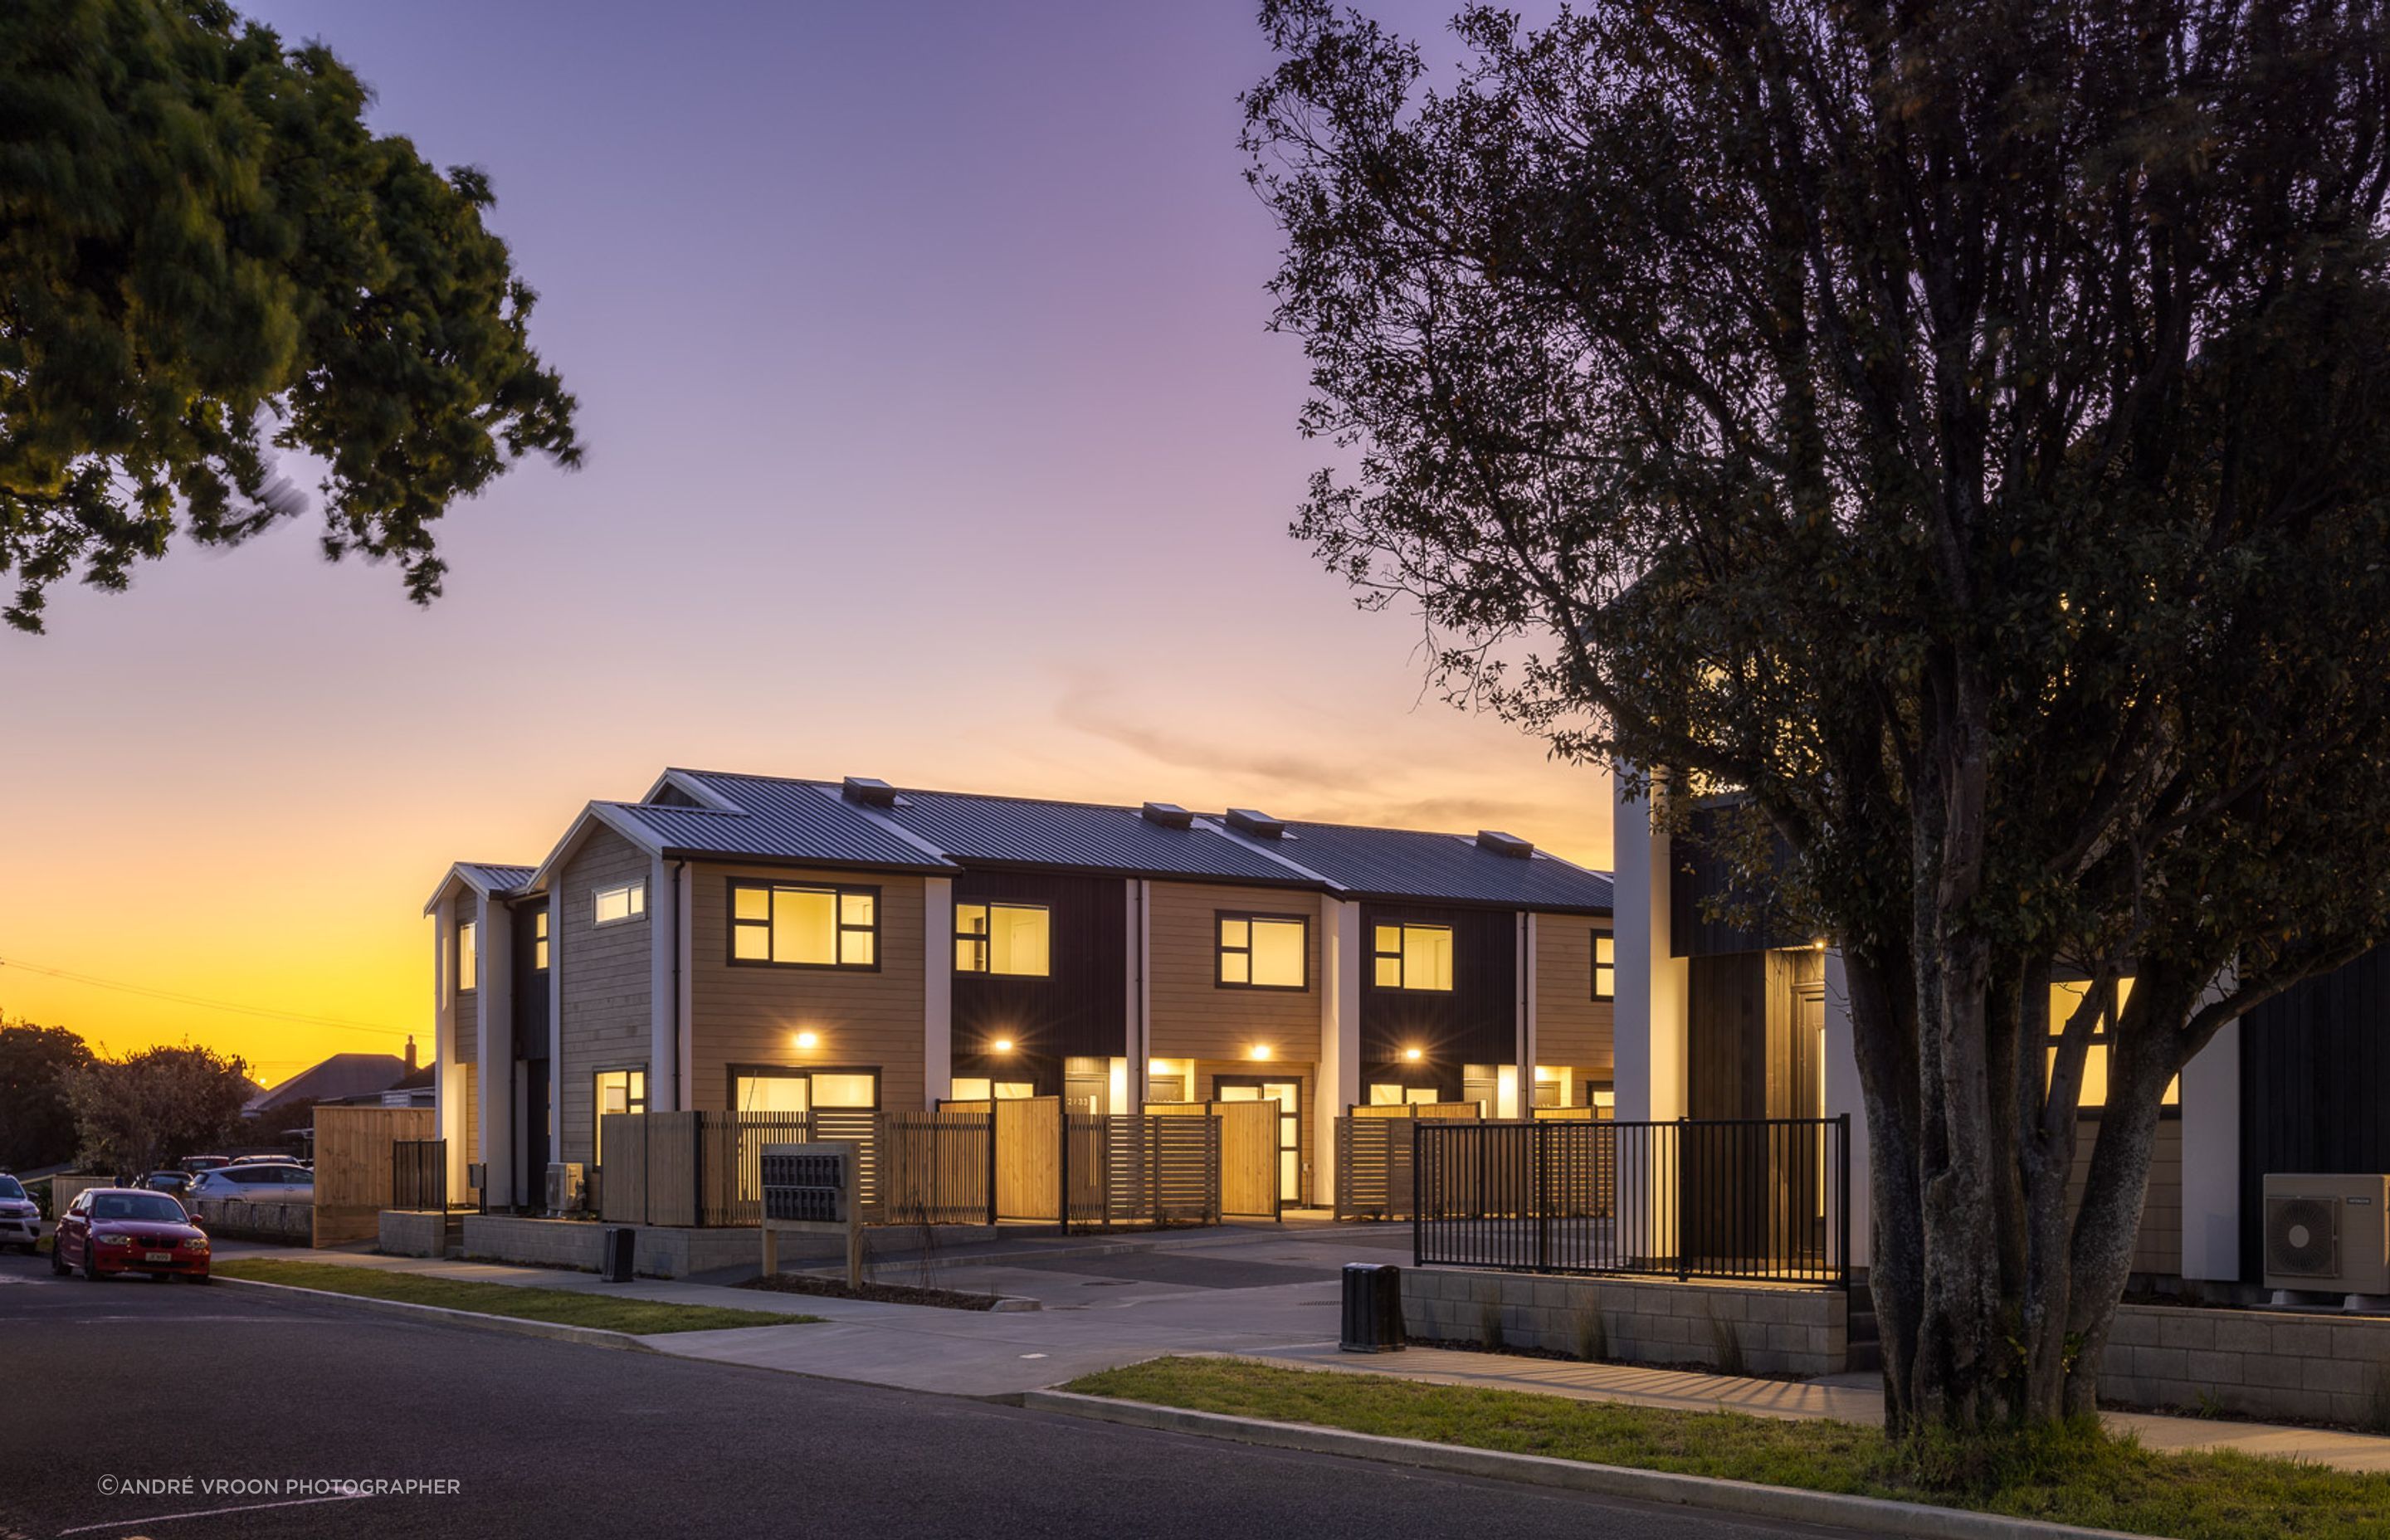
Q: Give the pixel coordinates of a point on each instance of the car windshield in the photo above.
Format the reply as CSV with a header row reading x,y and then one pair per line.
x,y
11,1187
152,1206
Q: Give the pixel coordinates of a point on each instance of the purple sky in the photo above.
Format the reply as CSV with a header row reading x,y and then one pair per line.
x,y
934,434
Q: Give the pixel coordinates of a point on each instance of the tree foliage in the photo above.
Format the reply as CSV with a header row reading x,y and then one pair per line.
x,y
36,1125
1959,427
205,255
137,1113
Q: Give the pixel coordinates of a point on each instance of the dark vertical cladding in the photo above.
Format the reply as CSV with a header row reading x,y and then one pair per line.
x,y
531,984
1475,1022
1726,1036
2314,1087
1079,1008
1700,877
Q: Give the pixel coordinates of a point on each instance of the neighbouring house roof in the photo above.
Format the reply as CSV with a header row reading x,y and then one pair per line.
x,y
343,1074
492,878
724,815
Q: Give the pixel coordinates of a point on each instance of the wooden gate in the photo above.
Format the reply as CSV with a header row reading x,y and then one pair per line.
x,y
354,1179
1027,1154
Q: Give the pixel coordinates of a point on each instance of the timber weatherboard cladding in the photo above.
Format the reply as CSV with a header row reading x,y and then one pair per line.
x,y
2314,1087
1078,1009
1474,1023
1573,1029
605,982
749,1014
1192,1016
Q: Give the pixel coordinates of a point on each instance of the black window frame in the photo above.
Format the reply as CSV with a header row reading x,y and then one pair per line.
x,y
2103,1036
733,1073
839,892
1600,994
1221,949
1452,931
630,1104
981,940
539,928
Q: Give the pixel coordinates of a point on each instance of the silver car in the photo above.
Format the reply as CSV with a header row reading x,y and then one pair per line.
x,y
21,1217
257,1183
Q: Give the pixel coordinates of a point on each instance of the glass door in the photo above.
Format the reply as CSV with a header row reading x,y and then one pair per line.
x,y
1287,1094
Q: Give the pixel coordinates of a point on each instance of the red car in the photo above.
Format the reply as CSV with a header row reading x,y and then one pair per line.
x,y
127,1230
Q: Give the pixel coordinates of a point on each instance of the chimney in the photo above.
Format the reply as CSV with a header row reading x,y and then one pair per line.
x,y
410,1053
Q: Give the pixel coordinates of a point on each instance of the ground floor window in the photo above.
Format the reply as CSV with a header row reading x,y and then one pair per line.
x,y
983,1088
772,1088
617,1091
1383,1094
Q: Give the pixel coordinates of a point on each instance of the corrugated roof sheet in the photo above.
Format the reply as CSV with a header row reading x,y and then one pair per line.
x,y
495,877
779,821
1394,863
1091,836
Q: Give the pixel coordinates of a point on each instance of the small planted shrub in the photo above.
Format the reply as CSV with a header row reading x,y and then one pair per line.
x,y
1592,1334
1489,1325
1726,1345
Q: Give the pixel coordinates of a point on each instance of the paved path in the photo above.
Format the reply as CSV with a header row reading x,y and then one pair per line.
x,y
172,1389
1237,1290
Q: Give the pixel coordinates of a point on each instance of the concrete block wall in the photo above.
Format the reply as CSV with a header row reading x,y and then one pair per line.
x,y
658,1251
292,1224
2251,1363
1780,1330
413,1233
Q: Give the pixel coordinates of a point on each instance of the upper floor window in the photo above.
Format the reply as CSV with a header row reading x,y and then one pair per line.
x,y
1605,966
469,962
1014,939
2064,997
623,901
1264,951
539,940
1414,957
802,925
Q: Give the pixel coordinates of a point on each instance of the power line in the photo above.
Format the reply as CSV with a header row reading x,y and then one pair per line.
x,y
266,1012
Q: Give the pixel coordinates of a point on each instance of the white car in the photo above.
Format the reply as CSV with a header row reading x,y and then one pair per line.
x,y
21,1217
257,1183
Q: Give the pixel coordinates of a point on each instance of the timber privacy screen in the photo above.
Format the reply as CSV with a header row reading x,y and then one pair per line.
x,y
1764,1199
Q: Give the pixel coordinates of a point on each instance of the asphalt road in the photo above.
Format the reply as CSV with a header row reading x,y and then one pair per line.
x,y
121,1402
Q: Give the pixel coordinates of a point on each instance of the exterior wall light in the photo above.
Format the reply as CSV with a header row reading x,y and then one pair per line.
x,y
808,1040
1258,1051
1002,1044
1413,1055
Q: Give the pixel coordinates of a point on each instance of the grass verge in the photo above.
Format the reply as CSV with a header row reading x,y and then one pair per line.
x,y
2074,1475
562,1306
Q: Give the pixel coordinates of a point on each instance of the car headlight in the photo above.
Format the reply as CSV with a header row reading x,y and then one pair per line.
x,y
196,1243
114,1240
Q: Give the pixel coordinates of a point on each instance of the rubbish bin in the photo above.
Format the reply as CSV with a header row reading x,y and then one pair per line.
x,y
622,1245
1374,1307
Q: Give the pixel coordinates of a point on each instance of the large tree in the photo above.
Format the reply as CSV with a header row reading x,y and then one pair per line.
x,y
134,1114
36,1125
1958,427
206,255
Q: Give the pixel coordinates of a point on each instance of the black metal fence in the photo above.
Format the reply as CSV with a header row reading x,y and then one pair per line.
x,y
1760,1198
418,1174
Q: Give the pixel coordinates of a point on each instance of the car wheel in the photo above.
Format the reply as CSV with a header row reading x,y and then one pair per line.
x,y
57,1257
90,1261
199,1277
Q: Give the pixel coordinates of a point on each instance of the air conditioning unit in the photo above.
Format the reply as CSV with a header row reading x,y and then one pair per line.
x,y
2327,1233
568,1190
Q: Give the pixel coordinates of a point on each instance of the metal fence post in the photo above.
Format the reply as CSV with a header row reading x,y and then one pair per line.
x,y
1843,1196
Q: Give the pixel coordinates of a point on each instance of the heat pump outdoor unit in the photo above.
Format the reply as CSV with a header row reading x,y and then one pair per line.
x,y
567,1186
2327,1233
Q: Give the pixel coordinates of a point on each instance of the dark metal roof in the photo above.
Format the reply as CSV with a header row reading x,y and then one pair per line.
x,y
770,818
493,878
1396,862
779,820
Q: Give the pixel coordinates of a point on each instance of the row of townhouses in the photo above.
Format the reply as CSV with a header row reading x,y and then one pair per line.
x,y
767,944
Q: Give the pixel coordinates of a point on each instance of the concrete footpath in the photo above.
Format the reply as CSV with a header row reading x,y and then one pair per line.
x,y
1262,1291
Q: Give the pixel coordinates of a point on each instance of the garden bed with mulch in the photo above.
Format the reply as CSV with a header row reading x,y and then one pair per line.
x,y
879,1293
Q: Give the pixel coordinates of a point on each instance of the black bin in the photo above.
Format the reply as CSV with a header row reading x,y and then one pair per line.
x,y
1374,1307
622,1245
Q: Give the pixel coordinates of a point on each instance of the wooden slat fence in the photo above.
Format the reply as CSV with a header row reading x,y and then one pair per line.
x,y
936,1167
354,1167
705,1169
1142,1168
418,1176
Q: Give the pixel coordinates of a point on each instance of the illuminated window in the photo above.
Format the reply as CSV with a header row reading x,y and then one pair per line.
x,y
469,961
624,901
805,927
1010,939
761,1089
2063,999
1605,966
1264,951
1403,1095
1414,957
618,1091
539,940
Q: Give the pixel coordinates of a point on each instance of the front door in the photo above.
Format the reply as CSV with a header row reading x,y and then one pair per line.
x,y
1287,1094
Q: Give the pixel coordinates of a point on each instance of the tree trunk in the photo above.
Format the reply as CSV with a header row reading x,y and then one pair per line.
x,y
1884,1037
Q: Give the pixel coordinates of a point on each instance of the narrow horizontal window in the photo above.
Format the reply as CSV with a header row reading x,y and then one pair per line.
x,y
1413,957
802,925
1010,939
624,901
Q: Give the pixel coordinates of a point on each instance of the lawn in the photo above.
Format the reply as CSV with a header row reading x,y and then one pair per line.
x,y
562,1306
2074,1476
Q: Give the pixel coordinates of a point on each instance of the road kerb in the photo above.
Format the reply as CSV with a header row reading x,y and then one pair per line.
x,y
1876,1514
590,1335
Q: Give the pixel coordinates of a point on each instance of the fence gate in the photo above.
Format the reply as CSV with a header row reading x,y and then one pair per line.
x,y
418,1174
1249,1166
